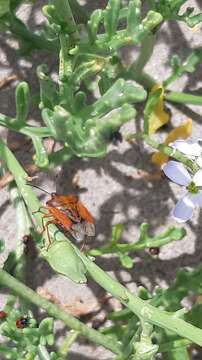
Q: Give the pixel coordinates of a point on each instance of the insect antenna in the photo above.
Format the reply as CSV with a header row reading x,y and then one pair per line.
x,y
37,187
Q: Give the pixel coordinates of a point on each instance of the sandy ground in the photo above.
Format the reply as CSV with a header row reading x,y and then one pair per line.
x,y
113,188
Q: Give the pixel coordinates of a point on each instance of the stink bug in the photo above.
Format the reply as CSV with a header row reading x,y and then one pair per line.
x,y
154,250
69,214
3,314
22,322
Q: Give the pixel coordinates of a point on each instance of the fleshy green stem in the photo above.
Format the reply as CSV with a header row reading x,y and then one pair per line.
x,y
60,156
140,307
43,353
28,130
142,243
19,30
146,51
28,294
142,78
169,151
183,98
173,345
67,342
70,18
79,11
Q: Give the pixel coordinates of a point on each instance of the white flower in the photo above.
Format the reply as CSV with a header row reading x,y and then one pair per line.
x,y
190,148
176,172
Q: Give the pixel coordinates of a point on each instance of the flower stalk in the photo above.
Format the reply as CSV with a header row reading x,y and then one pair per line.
x,y
169,151
140,307
183,98
31,296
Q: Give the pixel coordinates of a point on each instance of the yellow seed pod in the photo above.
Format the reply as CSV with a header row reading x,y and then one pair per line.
x,y
159,116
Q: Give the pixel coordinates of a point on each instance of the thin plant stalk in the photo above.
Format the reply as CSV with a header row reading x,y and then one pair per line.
x,y
138,306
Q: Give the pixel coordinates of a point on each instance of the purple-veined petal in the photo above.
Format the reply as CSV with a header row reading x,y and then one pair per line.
x,y
199,161
198,199
176,172
197,178
187,147
183,210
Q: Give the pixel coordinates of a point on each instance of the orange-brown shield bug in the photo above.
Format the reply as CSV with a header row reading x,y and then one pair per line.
x,y
69,214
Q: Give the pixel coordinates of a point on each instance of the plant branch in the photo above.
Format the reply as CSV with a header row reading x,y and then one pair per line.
x,y
183,98
28,130
146,51
167,150
28,294
67,342
19,30
144,242
140,307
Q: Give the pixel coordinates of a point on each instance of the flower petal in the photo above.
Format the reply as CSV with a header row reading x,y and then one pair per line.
x,y
197,178
199,161
198,199
188,147
176,172
183,210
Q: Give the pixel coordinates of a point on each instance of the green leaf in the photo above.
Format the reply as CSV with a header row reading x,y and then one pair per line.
x,y
62,257
9,353
55,356
179,68
133,16
144,348
93,24
116,233
104,83
46,326
61,15
111,16
110,123
115,331
171,234
180,353
193,315
22,103
2,246
80,100
171,10
98,132
126,261
87,69
48,92
48,118
46,332
152,20
186,282
40,157
119,93
194,20
4,7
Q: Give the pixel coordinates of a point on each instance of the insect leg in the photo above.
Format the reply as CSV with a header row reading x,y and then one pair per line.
x,y
45,217
39,210
55,222
44,226
83,244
